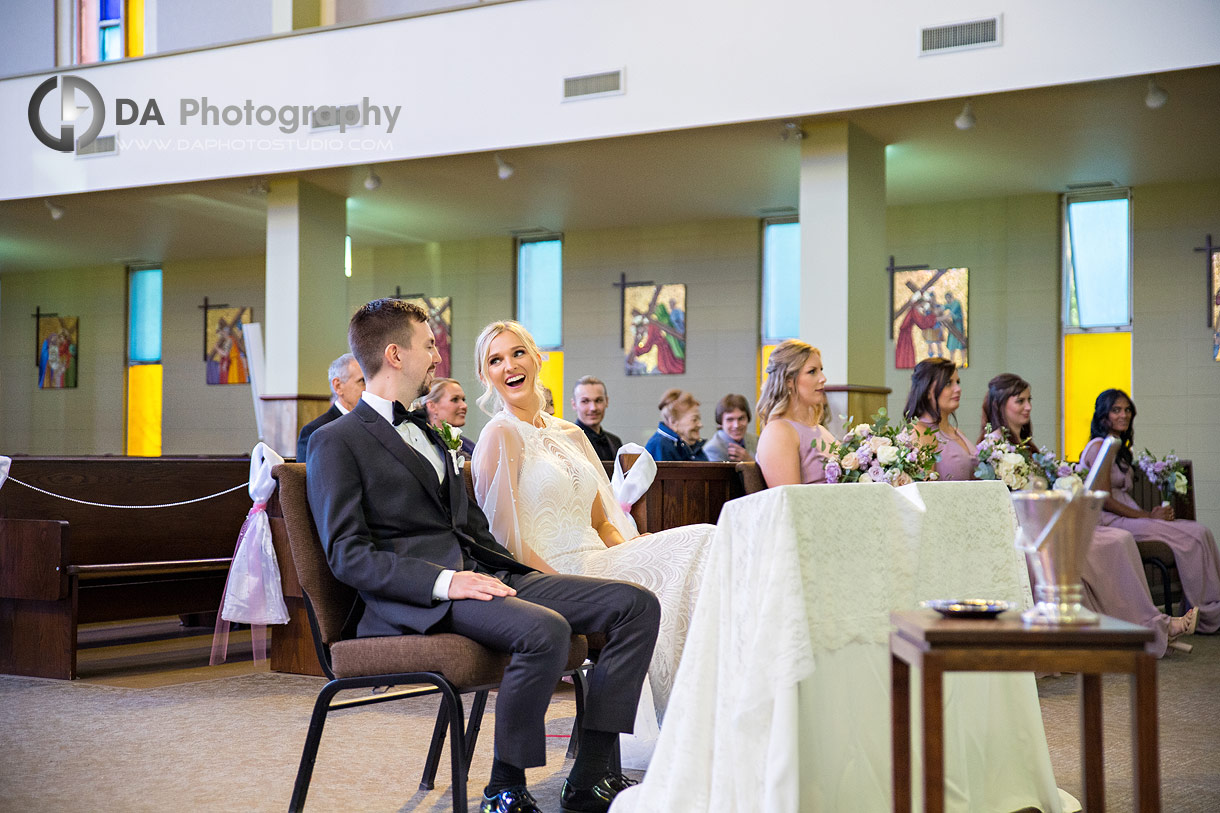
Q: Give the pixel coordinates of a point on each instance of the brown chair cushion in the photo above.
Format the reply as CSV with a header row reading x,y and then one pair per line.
x,y
465,663
1155,547
751,477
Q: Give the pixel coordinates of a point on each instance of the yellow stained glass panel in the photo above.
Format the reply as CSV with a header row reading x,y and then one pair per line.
x,y
1092,362
144,410
551,375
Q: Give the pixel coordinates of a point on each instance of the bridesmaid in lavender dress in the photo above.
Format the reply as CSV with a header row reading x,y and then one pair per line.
x,y
1194,547
792,446
1114,581
936,392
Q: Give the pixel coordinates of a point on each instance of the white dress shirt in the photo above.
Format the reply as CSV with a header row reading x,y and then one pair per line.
x,y
417,440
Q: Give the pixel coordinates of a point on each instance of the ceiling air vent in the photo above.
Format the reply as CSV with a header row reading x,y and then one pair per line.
x,y
593,85
102,145
1088,186
961,36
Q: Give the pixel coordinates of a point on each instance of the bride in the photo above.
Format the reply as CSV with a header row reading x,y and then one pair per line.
x,y
548,500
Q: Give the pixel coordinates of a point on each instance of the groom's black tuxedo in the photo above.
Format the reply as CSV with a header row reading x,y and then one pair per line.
x,y
390,528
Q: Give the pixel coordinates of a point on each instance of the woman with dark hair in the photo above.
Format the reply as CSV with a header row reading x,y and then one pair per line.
x,y
936,392
1113,574
731,443
677,435
792,446
1194,547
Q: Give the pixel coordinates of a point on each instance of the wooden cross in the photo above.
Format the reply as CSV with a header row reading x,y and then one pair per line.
x,y
38,317
205,307
1209,250
622,307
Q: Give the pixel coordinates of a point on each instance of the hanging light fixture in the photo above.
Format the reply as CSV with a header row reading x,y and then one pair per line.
x,y
504,169
372,180
1156,96
57,212
965,120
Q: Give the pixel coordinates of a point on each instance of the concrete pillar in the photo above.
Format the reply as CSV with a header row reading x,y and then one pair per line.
x,y
306,308
844,288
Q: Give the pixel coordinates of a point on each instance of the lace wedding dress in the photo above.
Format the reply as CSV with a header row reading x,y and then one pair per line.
x,y
538,486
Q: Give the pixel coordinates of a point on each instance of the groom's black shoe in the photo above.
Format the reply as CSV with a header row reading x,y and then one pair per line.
x,y
596,799
510,800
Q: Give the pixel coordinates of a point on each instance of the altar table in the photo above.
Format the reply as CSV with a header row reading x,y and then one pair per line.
x,y
781,702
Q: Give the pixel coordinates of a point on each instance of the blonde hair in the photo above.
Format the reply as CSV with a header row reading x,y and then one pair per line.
x,y
437,390
675,402
786,362
490,401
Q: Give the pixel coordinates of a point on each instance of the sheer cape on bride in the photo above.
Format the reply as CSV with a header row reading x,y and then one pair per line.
x,y
496,466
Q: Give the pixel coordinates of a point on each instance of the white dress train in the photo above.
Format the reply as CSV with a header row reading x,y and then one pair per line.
x,y
538,485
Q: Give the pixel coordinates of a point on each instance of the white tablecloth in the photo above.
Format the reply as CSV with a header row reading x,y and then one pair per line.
x,y
781,702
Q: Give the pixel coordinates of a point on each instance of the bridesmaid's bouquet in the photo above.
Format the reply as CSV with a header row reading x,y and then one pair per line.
x,y
1000,460
1167,474
880,453
1058,473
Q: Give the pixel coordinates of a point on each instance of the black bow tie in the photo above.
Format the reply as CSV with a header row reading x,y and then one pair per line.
x,y
402,414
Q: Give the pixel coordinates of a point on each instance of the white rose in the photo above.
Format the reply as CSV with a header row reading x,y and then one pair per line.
x,y
864,478
1014,480
1069,483
902,479
863,430
850,462
1013,459
876,442
886,455
456,430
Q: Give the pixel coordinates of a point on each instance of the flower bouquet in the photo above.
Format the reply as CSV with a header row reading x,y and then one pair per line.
x,y
1000,460
1058,473
880,453
1167,474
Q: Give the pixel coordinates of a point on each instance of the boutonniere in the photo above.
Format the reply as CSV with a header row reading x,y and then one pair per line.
x,y
458,459
451,435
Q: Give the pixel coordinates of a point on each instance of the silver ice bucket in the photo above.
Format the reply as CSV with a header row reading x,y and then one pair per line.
x,y
1056,531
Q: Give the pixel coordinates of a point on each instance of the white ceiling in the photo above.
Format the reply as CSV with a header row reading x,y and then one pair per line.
x,y
1025,142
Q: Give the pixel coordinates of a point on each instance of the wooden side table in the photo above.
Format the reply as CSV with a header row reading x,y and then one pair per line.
x,y
939,645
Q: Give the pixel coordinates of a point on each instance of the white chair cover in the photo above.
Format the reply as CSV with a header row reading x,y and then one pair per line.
x,y
629,487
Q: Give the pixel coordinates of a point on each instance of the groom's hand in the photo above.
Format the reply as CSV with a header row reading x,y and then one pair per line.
x,y
468,584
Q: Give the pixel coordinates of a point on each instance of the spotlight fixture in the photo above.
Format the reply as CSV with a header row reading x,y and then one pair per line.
x,y
57,212
259,188
504,169
965,119
372,180
791,132
1156,96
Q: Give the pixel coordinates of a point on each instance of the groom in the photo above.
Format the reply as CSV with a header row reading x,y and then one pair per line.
x,y
397,525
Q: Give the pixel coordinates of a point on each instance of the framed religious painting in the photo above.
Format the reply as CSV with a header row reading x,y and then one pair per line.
x,y
58,346
654,329
225,355
440,319
930,316
1215,305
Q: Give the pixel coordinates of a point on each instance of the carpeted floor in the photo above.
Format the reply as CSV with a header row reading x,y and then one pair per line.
x,y
231,742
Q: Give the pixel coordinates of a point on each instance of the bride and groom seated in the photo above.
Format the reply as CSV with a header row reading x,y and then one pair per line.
x,y
554,554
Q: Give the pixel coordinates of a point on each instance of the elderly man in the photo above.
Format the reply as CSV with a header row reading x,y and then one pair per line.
x,y
589,399
346,382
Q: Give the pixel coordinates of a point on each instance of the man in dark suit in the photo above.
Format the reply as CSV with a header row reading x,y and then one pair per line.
x,y
346,382
397,525
589,399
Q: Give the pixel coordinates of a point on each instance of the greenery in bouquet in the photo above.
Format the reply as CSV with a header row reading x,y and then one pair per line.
x,y
1166,474
880,453
1000,460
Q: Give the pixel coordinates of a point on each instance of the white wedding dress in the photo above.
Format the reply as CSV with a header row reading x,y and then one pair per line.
x,y
538,487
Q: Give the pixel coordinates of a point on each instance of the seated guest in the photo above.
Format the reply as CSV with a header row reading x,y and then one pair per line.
x,y
677,435
1194,547
1113,573
346,382
446,403
548,400
936,392
589,399
731,443
791,448
397,526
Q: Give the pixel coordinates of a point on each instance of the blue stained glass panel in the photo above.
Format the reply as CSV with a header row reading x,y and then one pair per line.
x,y
781,314
1100,234
110,10
540,291
144,317
110,44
